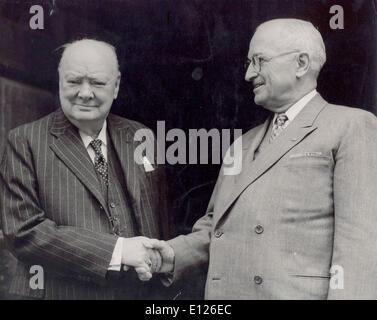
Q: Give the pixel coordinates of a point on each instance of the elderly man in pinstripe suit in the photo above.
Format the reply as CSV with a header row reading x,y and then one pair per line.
x,y
73,199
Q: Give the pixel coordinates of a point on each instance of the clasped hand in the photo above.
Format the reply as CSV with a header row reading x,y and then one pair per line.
x,y
147,256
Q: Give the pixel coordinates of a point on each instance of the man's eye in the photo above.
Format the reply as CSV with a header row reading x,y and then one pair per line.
x,y
246,64
262,60
98,83
73,81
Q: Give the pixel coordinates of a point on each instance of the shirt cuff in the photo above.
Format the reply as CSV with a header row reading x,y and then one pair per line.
x,y
167,279
116,259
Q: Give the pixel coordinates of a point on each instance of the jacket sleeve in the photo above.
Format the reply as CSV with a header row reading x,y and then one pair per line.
x,y
192,250
354,261
32,237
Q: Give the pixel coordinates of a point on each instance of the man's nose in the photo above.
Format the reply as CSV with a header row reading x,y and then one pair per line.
x,y
85,91
250,73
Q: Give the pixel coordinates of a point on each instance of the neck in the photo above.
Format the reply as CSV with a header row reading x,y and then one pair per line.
x,y
307,85
300,92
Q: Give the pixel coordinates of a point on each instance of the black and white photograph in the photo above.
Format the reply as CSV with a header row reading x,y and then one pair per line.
x,y
195,150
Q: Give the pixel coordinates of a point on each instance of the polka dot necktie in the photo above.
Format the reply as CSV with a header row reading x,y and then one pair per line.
x,y
100,162
278,126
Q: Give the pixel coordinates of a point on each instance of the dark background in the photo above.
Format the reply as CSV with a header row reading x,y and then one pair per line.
x,y
181,62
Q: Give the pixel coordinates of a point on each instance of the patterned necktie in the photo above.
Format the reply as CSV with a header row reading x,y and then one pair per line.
x,y
100,162
278,126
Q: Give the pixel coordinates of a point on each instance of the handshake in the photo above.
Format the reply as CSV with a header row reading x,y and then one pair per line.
x,y
147,256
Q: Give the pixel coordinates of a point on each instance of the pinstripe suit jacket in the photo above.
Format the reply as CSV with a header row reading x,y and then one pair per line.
x,y
51,205
307,202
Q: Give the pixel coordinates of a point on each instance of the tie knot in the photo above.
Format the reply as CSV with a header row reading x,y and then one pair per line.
x,y
281,119
96,145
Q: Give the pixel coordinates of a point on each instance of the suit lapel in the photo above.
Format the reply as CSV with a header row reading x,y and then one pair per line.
x,y
137,183
123,144
69,148
300,127
250,145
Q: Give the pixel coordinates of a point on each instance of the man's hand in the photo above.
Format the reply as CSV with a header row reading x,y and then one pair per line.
x,y
137,253
167,254
156,261
164,252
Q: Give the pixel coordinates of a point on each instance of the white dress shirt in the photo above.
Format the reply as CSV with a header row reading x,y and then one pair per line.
x,y
87,139
116,259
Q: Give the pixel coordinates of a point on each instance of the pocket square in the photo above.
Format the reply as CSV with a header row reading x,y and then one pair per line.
x,y
306,154
147,165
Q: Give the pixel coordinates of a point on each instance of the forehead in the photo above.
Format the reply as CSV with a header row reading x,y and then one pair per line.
x,y
88,59
267,40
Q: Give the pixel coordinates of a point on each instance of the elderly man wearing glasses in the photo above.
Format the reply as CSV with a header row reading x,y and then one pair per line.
x,y
300,220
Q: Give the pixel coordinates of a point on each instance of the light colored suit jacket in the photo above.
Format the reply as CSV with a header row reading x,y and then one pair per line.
x,y
55,215
307,202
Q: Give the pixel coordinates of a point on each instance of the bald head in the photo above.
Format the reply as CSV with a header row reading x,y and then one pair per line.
x,y
99,50
295,34
286,56
89,81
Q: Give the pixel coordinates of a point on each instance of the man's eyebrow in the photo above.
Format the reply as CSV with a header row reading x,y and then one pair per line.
x,y
70,74
99,76
90,77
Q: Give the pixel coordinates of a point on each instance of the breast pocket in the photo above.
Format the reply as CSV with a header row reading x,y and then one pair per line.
x,y
307,181
307,157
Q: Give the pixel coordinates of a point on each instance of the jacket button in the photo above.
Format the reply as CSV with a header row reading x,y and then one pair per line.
x,y
258,279
258,229
112,205
218,233
101,208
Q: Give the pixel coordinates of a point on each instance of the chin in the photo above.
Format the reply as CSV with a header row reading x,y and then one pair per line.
x,y
258,100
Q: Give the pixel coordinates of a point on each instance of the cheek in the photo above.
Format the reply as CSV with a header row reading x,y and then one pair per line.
x,y
67,94
279,81
106,97
64,100
273,78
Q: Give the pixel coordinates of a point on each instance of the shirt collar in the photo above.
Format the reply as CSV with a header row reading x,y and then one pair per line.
x,y
295,109
87,139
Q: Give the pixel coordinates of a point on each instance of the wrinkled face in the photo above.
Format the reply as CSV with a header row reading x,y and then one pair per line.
x,y
273,85
88,82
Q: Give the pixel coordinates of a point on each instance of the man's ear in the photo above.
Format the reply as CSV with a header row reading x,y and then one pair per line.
x,y
303,64
117,83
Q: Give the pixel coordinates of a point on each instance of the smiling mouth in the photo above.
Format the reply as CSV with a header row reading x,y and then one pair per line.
x,y
258,85
84,106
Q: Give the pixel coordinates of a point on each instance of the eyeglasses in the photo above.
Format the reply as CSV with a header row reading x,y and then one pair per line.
x,y
257,60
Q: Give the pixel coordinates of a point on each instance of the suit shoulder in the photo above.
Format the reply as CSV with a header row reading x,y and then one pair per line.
x,y
345,121
348,113
28,130
125,122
